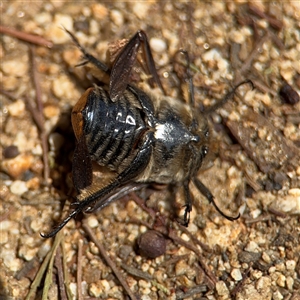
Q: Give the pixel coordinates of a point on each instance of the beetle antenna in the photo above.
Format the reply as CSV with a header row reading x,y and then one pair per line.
x,y
227,97
208,195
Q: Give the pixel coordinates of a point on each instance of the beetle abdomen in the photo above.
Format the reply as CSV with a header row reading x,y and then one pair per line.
x,y
112,129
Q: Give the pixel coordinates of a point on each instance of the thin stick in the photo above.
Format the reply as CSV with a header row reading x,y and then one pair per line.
x,y
27,37
79,270
202,245
247,63
65,268
60,274
40,108
239,286
200,257
40,275
49,273
107,259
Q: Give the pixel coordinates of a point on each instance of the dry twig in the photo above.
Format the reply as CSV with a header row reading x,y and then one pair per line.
x,y
26,37
107,259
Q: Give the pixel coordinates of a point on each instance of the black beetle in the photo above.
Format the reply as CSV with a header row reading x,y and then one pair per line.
x,y
140,137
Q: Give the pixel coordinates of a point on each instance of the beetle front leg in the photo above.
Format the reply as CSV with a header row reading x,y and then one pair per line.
x,y
188,203
122,67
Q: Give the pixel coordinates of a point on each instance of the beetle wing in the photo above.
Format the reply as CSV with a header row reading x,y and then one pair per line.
x,y
119,77
82,171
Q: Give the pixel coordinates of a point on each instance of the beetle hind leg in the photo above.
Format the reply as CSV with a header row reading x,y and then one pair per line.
x,y
88,58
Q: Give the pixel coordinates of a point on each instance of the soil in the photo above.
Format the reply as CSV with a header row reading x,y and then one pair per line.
x,y
253,165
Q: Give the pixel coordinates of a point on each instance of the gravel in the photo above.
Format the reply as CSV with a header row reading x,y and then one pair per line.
x,y
254,156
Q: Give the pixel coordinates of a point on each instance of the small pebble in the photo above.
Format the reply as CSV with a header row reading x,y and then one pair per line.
x,y
277,296
9,260
99,288
92,222
263,283
17,67
290,265
158,45
236,274
14,167
266,257
63,87
144,284
252,247
290,283
151,244
3,236
51,111
117,17
281,280
11,151
37,225
221,288
181,267
18,187
99,11
288,94
140,9
256,274
17,108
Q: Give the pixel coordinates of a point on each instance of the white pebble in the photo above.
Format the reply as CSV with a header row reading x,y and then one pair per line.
x,y
3,236
17,67
236,274
158,45
117,17
144,284
18,187
251,247
212,54
92,222
181,267
73,288
263,283
290,283
221,288
277,295
9,259
17,108
281,280
140,9
290,265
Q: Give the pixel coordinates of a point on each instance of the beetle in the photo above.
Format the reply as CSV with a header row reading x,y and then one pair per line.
x,y
141,138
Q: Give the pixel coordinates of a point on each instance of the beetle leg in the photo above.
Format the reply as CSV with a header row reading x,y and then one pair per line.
x,y
88,58
208,195
115,195
119,77
188,203
137,166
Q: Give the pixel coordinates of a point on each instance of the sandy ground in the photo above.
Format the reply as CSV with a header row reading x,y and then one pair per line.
x,y
253,165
